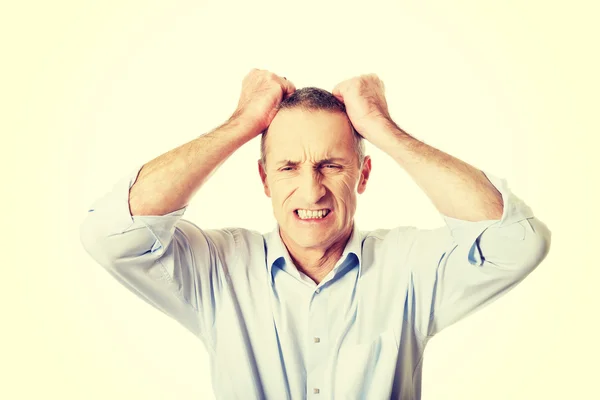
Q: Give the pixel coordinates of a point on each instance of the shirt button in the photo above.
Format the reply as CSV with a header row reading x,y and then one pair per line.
x,y
316,391
318,290
317,340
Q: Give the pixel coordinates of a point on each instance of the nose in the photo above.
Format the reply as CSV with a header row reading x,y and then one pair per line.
x,y
311,187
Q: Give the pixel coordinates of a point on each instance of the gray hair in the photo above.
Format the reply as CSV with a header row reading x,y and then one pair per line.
x,y
315,99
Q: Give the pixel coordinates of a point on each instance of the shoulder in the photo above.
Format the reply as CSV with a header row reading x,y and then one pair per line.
x,y
230,245
247,239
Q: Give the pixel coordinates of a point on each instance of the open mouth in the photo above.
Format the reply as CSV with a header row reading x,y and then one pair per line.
x,y
312,214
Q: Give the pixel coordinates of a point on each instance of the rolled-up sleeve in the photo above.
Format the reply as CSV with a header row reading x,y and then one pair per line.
x,y
163,259
466,265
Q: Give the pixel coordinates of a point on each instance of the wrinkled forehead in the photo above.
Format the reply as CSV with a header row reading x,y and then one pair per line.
x,y
298,134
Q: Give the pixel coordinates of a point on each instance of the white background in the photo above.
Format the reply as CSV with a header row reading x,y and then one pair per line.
x,y
90,90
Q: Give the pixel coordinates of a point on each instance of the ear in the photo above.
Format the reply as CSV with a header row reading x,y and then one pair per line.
x,y
364,175
263,178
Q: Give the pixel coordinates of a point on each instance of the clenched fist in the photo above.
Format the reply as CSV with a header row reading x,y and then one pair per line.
x,y
366,106
262,92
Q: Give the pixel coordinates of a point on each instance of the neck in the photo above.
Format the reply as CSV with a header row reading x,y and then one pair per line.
x,y
316,263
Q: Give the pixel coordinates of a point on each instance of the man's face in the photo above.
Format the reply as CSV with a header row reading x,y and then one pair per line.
x,y
311,164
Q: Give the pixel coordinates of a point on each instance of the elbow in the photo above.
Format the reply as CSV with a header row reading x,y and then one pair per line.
x,y
112,246
86,237
99,240
91,242
518,248
536,244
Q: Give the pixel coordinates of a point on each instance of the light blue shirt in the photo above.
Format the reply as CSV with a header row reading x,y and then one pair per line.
x,y
272,333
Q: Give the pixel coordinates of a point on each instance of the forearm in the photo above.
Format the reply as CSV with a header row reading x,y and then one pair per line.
x,y
168,182
456,189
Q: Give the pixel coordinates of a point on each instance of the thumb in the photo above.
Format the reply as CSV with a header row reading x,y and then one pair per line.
x,y
337,94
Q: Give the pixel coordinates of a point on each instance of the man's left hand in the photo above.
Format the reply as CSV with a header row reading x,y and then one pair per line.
x,y
366,107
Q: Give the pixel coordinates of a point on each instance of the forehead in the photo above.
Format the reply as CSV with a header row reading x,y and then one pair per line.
x,y
298,134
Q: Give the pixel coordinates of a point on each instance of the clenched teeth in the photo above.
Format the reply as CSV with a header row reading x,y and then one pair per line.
x,y
307,214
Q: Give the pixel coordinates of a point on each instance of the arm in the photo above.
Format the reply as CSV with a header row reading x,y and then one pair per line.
x,y
136,232
168,182
462,267
491,241
457,189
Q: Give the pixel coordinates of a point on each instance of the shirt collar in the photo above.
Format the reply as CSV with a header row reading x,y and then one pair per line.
x,y
277,252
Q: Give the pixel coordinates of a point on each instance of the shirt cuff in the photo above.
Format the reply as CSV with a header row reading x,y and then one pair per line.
x,y
113,216
466,233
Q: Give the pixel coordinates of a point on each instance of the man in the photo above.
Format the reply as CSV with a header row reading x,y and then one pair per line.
x,y
316,308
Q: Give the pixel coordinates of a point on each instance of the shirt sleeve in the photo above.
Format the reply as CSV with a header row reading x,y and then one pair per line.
x,y
165,260
463,266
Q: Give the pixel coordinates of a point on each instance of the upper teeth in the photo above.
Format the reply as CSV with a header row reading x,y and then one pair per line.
x,y
306,214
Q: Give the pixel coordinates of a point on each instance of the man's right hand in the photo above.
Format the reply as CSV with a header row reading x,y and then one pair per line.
x,y
168,182
262,92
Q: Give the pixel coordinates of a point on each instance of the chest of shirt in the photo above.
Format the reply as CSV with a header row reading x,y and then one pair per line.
x,y
310,337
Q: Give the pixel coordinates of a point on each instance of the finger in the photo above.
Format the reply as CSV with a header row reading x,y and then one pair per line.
x,y
288,87
337,92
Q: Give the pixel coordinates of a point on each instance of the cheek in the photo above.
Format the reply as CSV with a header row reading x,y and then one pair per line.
x,y
281,190
343,190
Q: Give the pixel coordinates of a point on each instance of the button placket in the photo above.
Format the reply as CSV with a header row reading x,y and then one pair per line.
x,y
317,342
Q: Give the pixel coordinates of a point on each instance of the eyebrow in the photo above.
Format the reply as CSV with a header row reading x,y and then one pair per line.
x,y
331,160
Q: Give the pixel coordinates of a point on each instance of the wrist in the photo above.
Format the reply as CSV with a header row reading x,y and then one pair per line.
x,y
249,127
384,133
